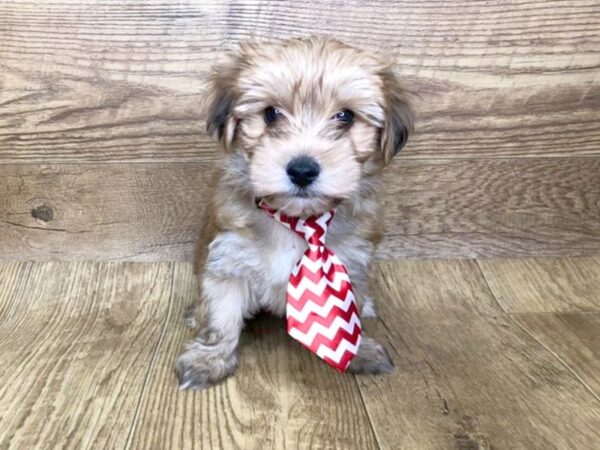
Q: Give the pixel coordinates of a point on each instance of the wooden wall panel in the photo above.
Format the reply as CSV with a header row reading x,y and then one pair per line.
x,y
483,208
111,211
97,80
101,117
470,208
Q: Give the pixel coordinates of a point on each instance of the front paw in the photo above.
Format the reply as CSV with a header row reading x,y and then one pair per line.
x,y
372,358
367,310
203,365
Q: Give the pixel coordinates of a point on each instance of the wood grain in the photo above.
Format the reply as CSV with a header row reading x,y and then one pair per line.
x,y
574,337
96,80
468,376
556,301
280,397
80,212
88,348
470,208
103,152
77,341
475,208
545,284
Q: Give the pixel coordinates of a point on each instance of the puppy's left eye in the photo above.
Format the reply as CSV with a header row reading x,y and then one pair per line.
x,y
345,117
272,114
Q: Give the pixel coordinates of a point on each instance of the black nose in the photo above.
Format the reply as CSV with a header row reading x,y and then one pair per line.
x,y
303,170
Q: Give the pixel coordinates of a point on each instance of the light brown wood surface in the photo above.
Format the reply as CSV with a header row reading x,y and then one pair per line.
x,y
574,337
557,300
468,375
507,93
142,212
77,342
87,355
545,284
147,212
97,80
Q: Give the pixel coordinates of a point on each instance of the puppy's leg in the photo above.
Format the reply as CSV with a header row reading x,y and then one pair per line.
x,y
212,355
360,285
190,316
367,309
372,358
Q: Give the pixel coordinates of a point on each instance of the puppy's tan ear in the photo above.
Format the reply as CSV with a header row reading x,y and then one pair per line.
x,y
399,116
220,122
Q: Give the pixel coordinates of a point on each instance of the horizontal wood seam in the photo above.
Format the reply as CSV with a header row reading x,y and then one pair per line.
x,y
217,159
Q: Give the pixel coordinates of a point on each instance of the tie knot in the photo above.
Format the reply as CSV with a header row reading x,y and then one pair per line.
x,y
312,229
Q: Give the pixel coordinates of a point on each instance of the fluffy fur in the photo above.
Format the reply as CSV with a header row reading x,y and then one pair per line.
x,y
243,257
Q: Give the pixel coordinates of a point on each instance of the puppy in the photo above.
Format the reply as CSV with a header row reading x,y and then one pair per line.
x,y
316,100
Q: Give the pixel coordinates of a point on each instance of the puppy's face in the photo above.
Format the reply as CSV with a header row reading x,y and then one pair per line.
x,y
312,116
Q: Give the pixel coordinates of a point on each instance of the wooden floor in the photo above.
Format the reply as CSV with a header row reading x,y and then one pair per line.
x,y
501,354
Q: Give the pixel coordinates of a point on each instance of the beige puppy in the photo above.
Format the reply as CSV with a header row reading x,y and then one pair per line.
x,y
307,125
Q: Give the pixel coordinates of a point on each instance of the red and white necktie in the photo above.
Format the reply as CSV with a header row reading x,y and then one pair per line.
x,y
321,310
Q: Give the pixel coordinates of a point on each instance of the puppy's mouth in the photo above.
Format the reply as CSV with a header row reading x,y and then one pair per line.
x,y
303,193
301,202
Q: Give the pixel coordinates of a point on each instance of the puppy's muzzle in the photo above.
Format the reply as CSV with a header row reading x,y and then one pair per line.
x,y
303,170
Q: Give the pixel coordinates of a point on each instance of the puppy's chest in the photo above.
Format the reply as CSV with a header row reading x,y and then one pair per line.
x,y
267,259
282,249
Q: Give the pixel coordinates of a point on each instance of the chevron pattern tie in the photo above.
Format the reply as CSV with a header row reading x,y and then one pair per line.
x,y
321,310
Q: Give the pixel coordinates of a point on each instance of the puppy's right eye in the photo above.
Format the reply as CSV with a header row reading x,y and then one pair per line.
x,y
272,114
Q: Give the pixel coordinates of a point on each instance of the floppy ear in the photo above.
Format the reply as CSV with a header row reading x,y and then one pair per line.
x,y
399,116
221,98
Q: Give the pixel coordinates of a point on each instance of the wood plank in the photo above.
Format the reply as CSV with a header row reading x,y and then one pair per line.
x,y
144,212
474,208
545,284
77,341
280,397
89,212
468,376
574,337
93,80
